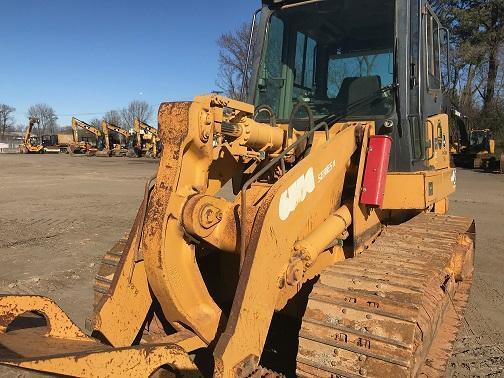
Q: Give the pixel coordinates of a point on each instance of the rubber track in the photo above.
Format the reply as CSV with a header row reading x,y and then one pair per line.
x,y
393,311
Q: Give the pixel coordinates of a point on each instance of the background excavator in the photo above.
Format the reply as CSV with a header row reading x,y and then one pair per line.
x,y
474,148
148,143
85,147
114,149
31,144
302,233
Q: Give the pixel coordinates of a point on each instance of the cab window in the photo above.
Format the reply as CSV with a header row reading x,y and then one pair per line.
x,y
433,49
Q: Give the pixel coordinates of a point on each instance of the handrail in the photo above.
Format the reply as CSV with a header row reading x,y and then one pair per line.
x,y
249,53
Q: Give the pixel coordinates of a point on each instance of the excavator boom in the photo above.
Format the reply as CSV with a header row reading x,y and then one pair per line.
x,y
116,150
77,147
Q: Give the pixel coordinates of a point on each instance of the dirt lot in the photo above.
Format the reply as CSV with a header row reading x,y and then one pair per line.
x,y
58,215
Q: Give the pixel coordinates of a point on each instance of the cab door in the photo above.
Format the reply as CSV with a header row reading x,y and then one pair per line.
x,y
435,123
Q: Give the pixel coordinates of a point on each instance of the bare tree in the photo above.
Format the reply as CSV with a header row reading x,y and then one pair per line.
x,y
96,122
114,117
233,52
47,117
18,128
139,109
6,118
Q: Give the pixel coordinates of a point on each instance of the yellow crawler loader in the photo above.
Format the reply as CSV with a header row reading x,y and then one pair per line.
x,y
474,148
302,233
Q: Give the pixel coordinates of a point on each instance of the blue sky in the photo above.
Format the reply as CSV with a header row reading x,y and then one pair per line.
x,y
91,56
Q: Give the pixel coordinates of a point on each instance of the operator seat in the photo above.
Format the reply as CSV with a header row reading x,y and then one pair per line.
x,y
355,89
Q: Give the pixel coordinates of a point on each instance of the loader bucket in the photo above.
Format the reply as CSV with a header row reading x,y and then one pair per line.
x,y
52,343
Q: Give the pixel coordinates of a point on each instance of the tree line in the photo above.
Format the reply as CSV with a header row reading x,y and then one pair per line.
x,y
477,59
48,118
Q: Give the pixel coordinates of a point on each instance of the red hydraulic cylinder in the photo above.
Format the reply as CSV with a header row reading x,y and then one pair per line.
x,y
375,171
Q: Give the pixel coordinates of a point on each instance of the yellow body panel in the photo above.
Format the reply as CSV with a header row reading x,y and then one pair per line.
x,y
439,147
418,190
421,190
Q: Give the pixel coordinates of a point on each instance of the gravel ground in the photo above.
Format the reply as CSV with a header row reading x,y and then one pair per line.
x,y
479,351
58,216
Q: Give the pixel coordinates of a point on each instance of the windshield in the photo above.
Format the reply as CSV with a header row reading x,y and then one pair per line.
x,y
329,54
480,138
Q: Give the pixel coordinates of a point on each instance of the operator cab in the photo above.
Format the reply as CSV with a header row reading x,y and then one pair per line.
x,y
313,55
352,60
49,140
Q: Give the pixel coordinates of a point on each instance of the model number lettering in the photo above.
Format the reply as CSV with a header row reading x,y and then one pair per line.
x,y
328,169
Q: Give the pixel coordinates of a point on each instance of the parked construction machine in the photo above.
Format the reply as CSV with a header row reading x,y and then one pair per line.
x,y
31,144
474,148
56,143
148,143
85,147
116,149
482,147
305,234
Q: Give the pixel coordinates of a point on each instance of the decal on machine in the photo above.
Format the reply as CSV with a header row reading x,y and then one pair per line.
x,y
295,194
328,169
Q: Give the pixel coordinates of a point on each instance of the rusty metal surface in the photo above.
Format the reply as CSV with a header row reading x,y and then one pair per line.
x,y
260,372
140,361
51,331
52,343
129,285
58,323
260,289
378,315
250,368
170,263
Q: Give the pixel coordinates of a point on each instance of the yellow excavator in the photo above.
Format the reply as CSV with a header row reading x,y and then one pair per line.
x,y
31,144
116,149
474,148
148,143
303,233
85,147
